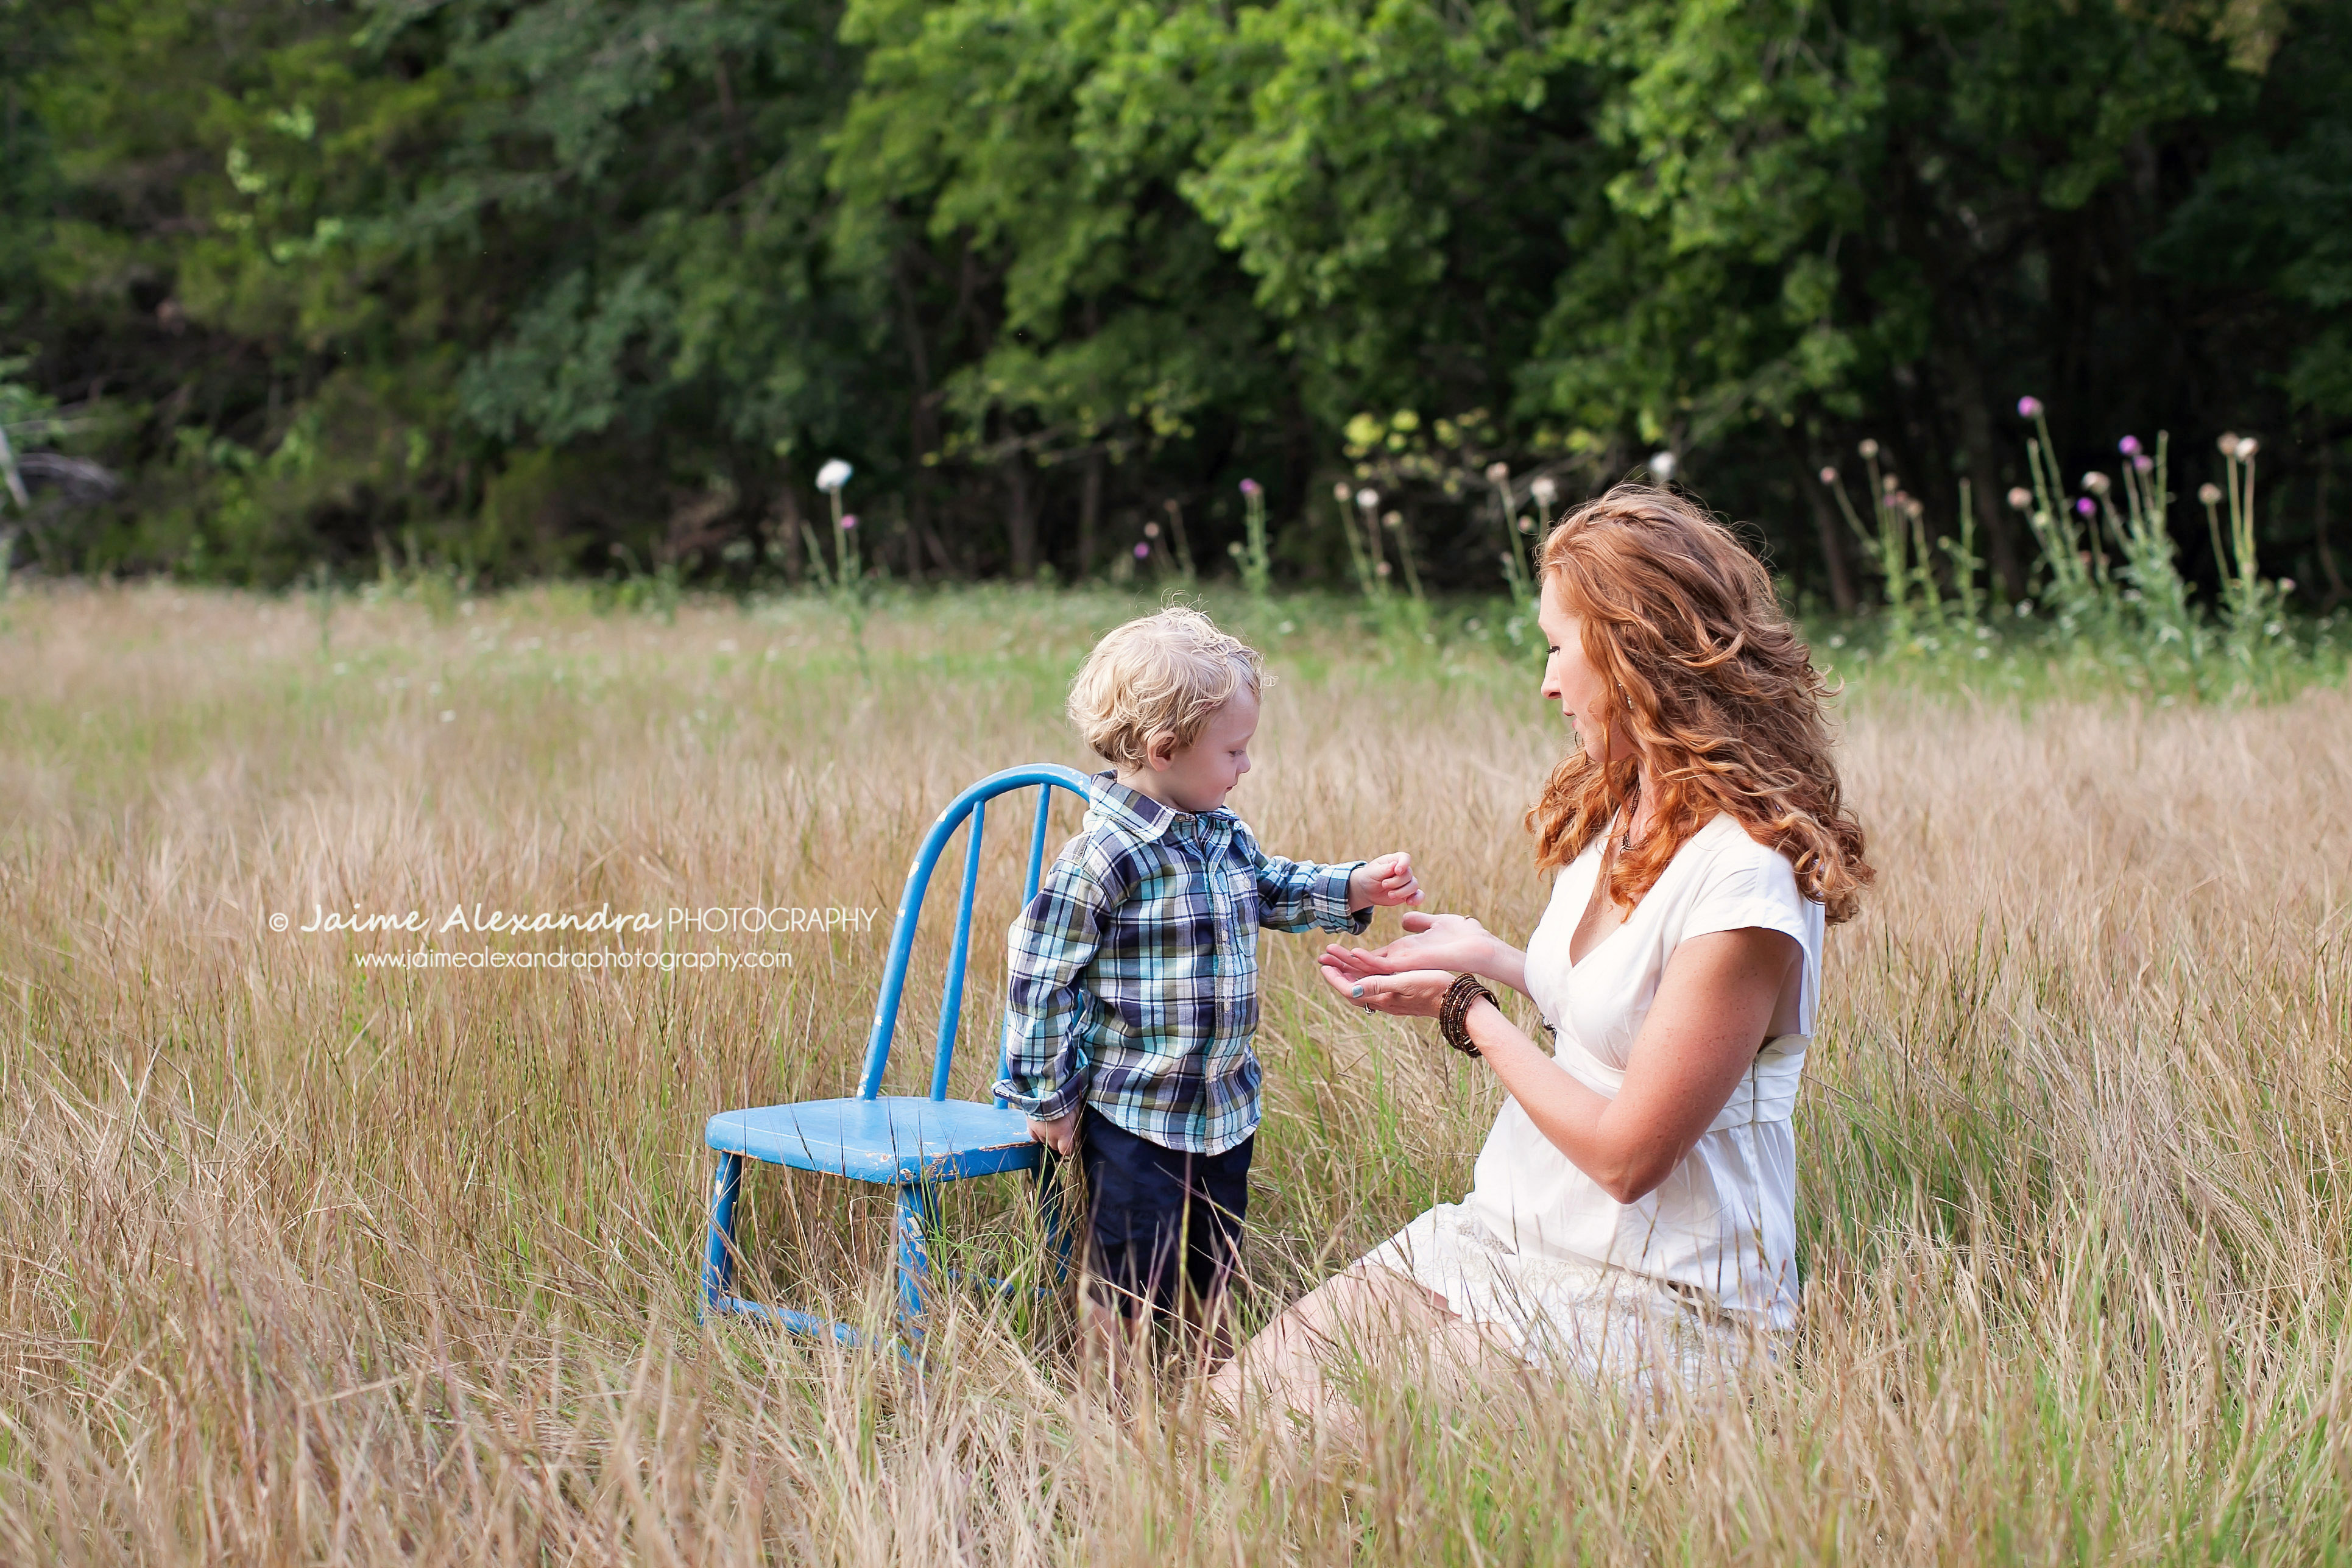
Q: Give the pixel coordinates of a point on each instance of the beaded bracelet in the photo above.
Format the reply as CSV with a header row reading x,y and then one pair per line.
x,y
1453,1013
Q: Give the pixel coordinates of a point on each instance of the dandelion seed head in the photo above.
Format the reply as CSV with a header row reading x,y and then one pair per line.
x,y
1150,531
1543,489
2019,497
1339,491
2247,447
1828,476
1662,465
1381,568
2097,483
2228,443
1869,450
833,475
1888,484
2210,494
1497,472
1369,500
1393,519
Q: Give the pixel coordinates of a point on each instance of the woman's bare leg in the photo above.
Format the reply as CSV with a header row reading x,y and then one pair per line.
x,y
1369,1309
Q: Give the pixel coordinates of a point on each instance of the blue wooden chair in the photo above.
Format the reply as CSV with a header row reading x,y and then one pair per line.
x,y
911,1145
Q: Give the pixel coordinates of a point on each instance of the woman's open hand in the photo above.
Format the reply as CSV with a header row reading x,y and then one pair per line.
x,y
1431,941
1413,994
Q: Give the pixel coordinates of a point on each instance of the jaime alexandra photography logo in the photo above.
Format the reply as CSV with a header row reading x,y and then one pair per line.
x,y
478,919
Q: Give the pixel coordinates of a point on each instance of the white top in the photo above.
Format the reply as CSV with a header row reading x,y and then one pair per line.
x,y
1722,1226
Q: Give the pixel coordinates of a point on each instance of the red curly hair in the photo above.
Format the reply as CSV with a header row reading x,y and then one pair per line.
x,y
1716,690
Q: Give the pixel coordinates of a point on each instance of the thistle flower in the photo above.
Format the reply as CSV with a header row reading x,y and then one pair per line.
x,y
849,520
2097,483
2083,506
2029,407
1828,476
1543,489
2143,462
2247,447
1497,472
2020,498
1368,499
1869,450
2210,494
1250,487
833,476
2128,445
1662,465
1142,551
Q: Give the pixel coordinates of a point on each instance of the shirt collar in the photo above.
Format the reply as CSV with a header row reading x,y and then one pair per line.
x,y
1142,818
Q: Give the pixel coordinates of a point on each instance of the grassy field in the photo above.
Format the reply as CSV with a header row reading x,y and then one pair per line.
x,y
305,1261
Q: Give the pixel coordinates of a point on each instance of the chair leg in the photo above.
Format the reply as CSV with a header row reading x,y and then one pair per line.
x,y
719,1256
914,1224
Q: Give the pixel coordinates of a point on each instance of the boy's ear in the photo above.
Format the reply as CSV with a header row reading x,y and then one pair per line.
x,y
1160,749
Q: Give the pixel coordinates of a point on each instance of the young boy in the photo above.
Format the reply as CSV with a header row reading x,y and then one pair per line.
x,y
1134,971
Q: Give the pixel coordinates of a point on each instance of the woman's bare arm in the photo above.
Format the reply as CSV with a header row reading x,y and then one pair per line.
x,y
1719,996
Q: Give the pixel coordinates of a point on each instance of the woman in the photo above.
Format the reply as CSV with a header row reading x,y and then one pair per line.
x,y
1633,1212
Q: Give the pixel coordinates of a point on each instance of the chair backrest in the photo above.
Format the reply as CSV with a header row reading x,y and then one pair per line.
x,y
972,803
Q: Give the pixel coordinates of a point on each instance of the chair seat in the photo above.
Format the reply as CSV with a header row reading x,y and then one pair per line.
x,y
894,1140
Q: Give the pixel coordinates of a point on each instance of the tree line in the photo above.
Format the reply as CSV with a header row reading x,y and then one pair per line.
x,y
596,286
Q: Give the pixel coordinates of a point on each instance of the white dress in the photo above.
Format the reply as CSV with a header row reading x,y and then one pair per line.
x,y
1699,1271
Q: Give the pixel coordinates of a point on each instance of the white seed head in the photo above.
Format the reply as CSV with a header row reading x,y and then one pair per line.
x,y
2020,498
2228,443
1662,465
1339,491
834,475
2210,494
1869,448
1543,490
2097,483
2247,447
1369,500
1497,472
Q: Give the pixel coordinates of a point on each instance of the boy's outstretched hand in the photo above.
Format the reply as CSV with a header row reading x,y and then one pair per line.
x,y
1384,883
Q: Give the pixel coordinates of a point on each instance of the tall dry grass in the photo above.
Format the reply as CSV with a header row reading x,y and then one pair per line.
x,y
307,1263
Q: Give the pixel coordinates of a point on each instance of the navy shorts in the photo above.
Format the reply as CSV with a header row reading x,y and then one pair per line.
x,y
1157,1215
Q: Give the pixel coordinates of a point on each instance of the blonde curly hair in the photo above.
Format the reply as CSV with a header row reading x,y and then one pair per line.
x,y
1162,674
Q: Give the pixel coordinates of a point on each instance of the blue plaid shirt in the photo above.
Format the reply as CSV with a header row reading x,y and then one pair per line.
x,y
1134,984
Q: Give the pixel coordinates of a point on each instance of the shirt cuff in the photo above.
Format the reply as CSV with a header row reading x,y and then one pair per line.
x,y
1051,1106
1329,900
